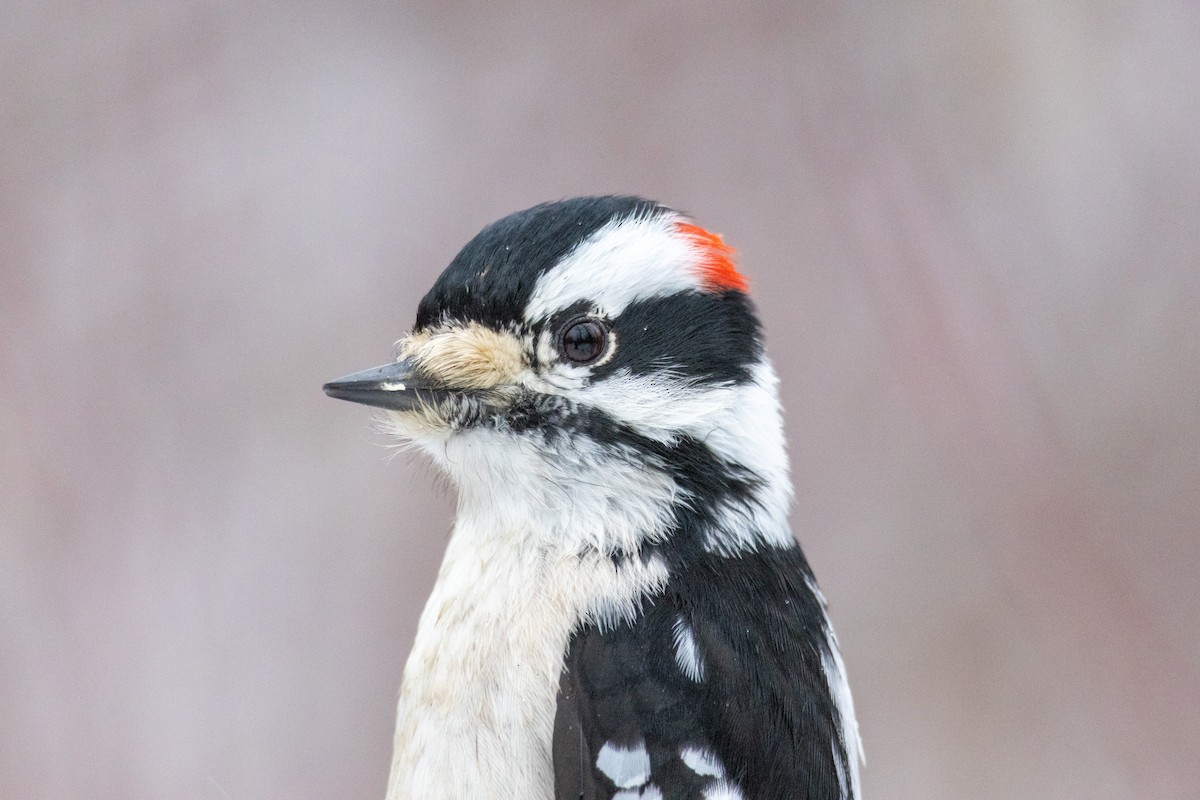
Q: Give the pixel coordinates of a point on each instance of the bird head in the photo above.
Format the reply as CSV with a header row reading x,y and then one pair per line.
x,y
594,364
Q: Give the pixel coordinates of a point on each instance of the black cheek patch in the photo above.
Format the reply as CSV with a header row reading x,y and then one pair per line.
x,y
712,338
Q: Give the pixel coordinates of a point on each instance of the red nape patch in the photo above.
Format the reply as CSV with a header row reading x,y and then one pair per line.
x,y
717,269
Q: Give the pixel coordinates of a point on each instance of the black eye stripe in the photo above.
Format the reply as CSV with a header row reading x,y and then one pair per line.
x,y
702,336
583,340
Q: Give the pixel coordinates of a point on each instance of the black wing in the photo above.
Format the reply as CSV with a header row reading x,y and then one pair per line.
x,y
717,689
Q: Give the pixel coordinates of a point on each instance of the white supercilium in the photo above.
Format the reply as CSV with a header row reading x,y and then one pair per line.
x,y
633,258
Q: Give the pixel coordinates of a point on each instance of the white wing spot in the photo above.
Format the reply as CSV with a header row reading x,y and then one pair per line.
x,y
626,767
651,792
687,653
723,790
702,762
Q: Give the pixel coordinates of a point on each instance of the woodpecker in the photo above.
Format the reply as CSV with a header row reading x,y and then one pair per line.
x,y
622,611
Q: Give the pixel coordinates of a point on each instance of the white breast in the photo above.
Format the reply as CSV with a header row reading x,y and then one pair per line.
x,y
476,710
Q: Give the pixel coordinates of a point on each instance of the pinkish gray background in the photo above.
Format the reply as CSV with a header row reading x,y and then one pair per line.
x,y
974,233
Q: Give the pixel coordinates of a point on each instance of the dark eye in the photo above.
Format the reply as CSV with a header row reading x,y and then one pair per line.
x,y
582,341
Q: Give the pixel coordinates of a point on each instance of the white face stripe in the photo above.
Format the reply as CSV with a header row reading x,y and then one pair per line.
x,y
660,405
632,258
750,433
743,424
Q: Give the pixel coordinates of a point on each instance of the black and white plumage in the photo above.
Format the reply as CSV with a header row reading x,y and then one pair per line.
x,y
622,611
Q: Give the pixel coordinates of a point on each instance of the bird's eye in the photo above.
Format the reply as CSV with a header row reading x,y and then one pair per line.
x,y
583,341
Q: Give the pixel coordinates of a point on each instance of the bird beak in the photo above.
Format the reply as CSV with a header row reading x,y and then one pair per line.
x,y
395,386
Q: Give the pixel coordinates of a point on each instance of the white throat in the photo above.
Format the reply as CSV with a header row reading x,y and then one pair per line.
x,y
476,711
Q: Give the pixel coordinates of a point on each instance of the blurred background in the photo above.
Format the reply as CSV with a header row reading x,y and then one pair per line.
x,y
973,230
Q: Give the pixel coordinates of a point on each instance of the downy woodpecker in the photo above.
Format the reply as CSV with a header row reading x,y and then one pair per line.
x,y
622,611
